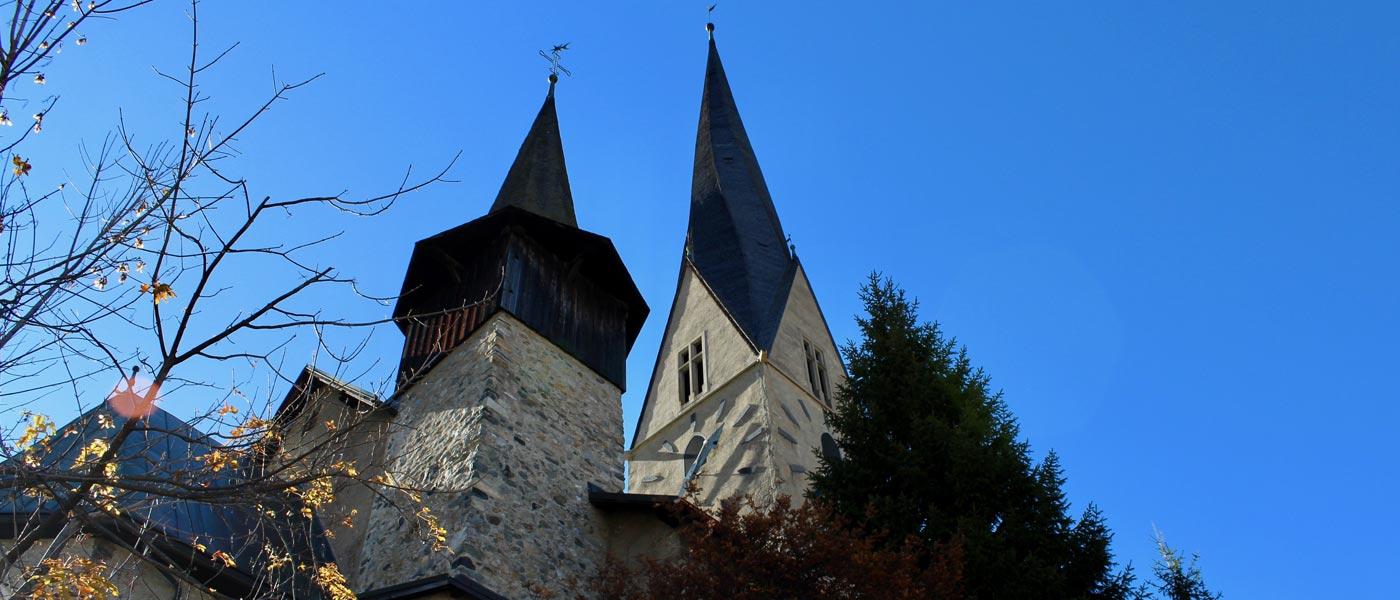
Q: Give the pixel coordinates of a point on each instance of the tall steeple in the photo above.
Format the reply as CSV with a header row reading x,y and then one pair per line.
x,y
735,239
538,180
746,365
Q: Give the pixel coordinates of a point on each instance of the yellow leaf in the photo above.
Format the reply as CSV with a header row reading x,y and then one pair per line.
x,y
224,558
161,292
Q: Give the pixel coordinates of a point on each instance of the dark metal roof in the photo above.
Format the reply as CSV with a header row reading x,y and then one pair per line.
x,y
671,510
538,181
735,239
162,445
454,586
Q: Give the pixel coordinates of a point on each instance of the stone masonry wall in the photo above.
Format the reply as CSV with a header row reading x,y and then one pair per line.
x,y
307,437
509,429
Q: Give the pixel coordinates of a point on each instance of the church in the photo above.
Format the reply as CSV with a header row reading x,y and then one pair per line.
x,y
517,327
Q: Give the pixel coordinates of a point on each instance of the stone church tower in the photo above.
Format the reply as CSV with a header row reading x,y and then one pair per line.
x,y
517,326
517,329
747,365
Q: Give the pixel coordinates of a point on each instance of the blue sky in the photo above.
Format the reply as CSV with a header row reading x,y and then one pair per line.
x,y
1166,229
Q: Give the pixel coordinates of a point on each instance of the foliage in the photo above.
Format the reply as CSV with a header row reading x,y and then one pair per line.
x,y
109,304
1176,578
928,450
71,578
750,552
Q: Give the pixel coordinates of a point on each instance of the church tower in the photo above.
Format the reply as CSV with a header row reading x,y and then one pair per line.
x,y
747,365
517,327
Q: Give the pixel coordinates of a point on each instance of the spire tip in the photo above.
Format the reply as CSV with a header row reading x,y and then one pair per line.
x,y
710,28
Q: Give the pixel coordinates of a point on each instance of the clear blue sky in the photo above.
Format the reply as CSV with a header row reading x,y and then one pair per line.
x,y
1167,229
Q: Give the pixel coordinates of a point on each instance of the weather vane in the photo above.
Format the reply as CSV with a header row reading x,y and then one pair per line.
x,y
554,56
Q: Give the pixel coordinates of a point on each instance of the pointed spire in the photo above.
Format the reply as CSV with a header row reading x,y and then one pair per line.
x,y
538,181
735,239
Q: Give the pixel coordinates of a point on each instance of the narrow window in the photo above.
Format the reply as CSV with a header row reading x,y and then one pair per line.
x,y
697,365
684,372
811,366
821,375
691,370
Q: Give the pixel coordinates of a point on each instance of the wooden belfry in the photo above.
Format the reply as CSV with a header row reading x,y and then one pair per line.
x,y
528,257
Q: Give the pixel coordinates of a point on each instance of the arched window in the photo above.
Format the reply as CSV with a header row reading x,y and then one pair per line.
x,y
692,450
830,451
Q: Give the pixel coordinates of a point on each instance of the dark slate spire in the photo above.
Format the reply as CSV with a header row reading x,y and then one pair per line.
x,y
538,181
735,240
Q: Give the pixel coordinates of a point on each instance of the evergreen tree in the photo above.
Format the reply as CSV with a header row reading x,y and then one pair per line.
x,y
1176,579
928,449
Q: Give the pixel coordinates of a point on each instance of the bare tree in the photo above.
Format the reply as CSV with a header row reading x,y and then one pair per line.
x,y
119,282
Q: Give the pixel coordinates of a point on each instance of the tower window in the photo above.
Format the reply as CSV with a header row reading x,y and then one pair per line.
x,y
690,370
830,451
816,372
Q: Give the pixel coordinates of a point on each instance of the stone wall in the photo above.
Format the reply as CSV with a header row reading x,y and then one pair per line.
x,y
361,443
740,463
509,429
772,418
695,314
798,410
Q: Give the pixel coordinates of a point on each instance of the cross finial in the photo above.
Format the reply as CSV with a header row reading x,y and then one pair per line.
x,y
555,56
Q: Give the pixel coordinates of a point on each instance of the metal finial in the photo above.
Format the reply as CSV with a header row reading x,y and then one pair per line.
x,y
710,27
554,56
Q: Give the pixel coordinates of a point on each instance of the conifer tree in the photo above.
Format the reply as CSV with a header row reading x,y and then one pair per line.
x,y
928,449
1176,578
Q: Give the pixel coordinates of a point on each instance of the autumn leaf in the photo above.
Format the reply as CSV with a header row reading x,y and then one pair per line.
x,y
224,558
39,428
330,579
72,578
161,292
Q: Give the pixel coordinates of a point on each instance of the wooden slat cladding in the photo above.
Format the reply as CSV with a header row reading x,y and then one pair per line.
x,y
548,289
553,295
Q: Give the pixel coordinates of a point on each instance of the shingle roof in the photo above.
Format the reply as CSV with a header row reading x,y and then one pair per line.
x,y
538,180
735,239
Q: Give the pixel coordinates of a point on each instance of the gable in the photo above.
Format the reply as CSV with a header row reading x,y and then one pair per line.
x,y
695,313
802,322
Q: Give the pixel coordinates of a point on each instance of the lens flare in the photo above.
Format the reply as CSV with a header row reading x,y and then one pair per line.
x,y
134,397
